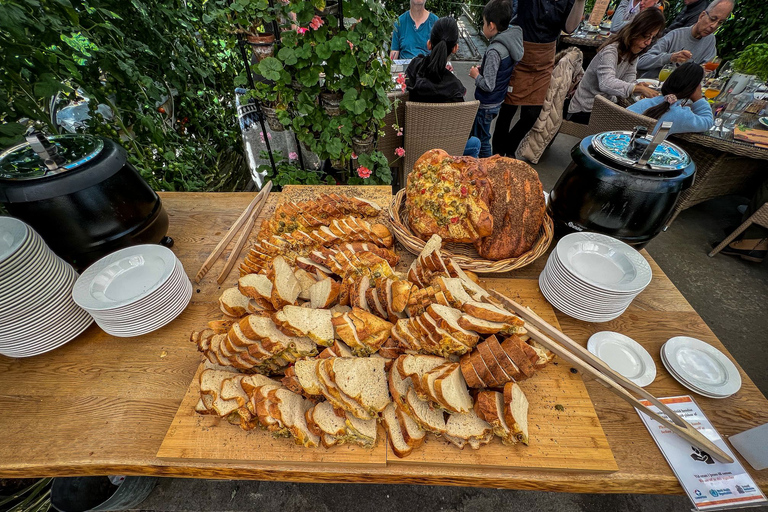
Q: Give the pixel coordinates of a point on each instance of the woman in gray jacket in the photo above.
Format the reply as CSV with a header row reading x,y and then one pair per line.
x,y
613,71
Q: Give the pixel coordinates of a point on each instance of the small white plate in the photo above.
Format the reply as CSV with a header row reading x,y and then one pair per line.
x,y
604,262
649,81
624,355
124,277
763,121
702,366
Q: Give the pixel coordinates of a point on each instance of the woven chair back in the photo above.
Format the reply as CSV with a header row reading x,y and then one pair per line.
x,y
445,126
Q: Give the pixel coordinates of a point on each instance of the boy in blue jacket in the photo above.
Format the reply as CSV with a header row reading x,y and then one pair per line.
x,y
492,77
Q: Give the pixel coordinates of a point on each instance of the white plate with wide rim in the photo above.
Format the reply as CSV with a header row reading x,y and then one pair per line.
x,y
47,333
56,320
584,303
580,297
685,384
36,253
149,326
131,322
604,262
57,282
124,277
567,275
13,234
702,366
164,294
623,355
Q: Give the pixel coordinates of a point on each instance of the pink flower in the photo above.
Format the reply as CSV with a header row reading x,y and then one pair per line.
x,y
261,135
400,152
399,133
341,126
363,172
316,22
293,155
354,156
302,30
351,46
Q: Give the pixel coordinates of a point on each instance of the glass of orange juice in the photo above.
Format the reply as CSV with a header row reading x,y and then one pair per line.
x,y
713,89
665,72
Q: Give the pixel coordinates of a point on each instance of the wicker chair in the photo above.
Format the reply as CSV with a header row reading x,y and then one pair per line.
x,y
390,140
444,126
607,116
759,217
722,168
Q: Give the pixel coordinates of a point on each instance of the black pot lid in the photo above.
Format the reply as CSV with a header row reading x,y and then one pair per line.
x,y
22,162
667,156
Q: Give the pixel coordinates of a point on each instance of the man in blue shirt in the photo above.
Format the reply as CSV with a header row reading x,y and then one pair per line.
x,y
411,33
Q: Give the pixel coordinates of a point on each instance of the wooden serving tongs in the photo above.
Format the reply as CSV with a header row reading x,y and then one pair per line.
x,y
564,347
247,218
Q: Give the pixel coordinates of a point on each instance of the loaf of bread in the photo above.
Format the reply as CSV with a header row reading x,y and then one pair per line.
x,y
449,196
517,208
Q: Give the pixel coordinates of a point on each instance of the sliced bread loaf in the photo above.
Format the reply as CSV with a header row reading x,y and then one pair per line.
x,y
468,427
233,303
257,287
489,405
413,434
306,373
486,311
513,347
312,323
449,320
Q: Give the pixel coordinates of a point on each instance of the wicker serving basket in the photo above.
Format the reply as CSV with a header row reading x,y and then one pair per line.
x,y
465,254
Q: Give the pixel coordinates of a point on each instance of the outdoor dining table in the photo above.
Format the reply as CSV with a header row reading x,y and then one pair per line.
x,y
102,405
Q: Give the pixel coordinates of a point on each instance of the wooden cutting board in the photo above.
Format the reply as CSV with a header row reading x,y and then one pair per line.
x,y
757,136
564,429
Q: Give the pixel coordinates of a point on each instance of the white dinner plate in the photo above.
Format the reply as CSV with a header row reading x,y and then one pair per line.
x,y
763,121
649,81
153,324
702,366
566,275
604,262
36,293
683,382
13,233
124,277
585,313
623,355
71,334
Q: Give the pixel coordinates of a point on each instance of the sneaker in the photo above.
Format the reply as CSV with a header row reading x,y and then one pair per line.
x,y
754,250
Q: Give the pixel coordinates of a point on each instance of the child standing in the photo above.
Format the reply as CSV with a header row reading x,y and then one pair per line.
x,y
492,77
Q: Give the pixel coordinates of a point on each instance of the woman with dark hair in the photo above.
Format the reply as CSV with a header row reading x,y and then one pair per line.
x,y
428,80
613,71
681,101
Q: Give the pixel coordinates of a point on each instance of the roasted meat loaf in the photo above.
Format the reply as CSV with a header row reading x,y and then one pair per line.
x,y
517,208
449,196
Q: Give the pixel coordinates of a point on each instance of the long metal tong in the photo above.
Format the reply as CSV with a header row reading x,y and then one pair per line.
x,y
563,346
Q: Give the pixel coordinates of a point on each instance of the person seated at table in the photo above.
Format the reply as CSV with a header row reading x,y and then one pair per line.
x,y
428,79
626,12
612,72
412,29
688,15
681,102
696,43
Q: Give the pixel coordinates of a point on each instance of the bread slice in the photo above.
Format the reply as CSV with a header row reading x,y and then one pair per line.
x,y
285,286
428,417
363,379
471,377
401,291
212,383
306,280
516,411
258,287
362,432
482,369
428,382
545,356
292,409
450,317
324,293
445,343
451,390
398,386
395,433
332,392
413,434
499,375
233,303
489,405
373,302
513,348
416,366
453,290
468,427
509,367
322,418
306,373
315,324
486,311
481,326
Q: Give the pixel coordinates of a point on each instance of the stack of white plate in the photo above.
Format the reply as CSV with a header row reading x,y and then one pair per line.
x,y
593,277
37,313
135,290
700,367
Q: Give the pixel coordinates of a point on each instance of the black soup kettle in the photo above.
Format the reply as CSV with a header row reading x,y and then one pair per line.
x,y
81,194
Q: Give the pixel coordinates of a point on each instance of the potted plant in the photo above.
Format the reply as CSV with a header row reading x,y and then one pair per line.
x,y
753,61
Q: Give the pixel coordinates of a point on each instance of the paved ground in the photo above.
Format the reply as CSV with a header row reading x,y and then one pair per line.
x,y
731,296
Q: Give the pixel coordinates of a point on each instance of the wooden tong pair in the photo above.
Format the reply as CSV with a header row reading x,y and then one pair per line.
x,y
247,218
563,346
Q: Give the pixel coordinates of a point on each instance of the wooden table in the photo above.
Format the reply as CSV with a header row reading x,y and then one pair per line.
x,y
102,405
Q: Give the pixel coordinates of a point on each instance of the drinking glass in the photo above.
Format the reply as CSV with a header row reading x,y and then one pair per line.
x,y
713,89
665,72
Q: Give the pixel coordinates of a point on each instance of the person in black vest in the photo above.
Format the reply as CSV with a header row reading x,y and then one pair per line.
x,y
688,16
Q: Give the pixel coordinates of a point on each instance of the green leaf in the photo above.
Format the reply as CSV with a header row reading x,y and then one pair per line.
x,y
12,129
309,76
347,64
270,68
287,55
169,155
323,51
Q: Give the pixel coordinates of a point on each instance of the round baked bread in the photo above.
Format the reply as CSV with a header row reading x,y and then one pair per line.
x,y
449,196
517,208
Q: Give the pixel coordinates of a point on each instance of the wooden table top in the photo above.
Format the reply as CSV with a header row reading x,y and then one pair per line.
x,y
102,405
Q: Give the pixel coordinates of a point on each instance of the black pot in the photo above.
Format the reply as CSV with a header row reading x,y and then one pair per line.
x,y
598,193
86,200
